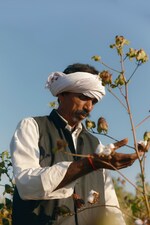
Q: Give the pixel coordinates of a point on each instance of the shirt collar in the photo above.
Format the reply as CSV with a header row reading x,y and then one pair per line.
x,y
75,130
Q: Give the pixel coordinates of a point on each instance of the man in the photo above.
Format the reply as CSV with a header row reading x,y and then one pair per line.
x,y
52,186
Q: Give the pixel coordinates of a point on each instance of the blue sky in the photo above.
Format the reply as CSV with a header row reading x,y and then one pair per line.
x,y
38,37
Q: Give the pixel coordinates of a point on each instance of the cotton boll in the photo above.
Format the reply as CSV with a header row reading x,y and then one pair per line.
x,y
100,149
93,197
144,143
138,222
108,149
104,150
111,146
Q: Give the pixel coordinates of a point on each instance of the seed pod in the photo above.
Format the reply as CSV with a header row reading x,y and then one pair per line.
x,y
146,136
102,125
90,124
106,77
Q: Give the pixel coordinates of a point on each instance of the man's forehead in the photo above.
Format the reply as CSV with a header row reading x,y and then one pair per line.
x,y
81,95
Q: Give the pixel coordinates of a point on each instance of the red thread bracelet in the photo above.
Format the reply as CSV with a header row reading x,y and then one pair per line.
x,y
91,162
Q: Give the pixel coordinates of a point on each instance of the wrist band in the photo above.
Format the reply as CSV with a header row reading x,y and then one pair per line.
x,y
91,162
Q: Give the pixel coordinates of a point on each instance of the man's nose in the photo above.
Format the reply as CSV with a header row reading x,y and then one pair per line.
x,y
88,105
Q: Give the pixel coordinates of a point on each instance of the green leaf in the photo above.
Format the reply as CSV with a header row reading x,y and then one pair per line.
x,y
8,189
8,203
1,205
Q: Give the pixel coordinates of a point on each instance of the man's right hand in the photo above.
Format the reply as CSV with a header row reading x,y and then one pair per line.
x,y
115,160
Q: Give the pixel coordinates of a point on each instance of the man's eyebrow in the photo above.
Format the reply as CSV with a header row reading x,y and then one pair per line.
x,y
80,95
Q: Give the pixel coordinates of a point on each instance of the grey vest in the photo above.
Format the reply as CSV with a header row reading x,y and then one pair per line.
x,y
48,212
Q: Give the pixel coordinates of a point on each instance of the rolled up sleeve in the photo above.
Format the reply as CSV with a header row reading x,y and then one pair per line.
x,y
32,181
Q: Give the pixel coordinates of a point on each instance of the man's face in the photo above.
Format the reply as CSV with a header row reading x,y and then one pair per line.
x,y
75,107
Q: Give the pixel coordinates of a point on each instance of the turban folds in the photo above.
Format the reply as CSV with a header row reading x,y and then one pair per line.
x,y
79,82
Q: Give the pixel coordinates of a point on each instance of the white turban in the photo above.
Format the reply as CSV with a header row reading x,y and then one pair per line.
x,y
78,82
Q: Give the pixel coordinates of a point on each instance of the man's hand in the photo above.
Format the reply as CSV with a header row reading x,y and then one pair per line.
x,y
115,160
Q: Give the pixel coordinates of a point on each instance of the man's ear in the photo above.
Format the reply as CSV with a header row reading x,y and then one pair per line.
x,y
60,97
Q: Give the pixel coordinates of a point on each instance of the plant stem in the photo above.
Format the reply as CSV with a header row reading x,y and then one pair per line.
x,y
109,67
125,178
142,121
133,72
10,179
116,97
136,149
109,164
110,137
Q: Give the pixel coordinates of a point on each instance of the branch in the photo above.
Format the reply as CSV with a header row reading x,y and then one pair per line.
x,y
121,174
114,139
110,206
109,164
98,205
142,121
134,71
117,71
117,98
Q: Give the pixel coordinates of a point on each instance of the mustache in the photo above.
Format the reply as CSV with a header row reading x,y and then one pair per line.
x,y
82,112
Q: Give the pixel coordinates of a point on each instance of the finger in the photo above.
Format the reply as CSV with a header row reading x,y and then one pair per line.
x,y
124,163
128,163
121,143
127,157
136,155
118,165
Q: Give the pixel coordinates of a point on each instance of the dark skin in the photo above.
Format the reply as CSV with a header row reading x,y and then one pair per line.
x,y
75,107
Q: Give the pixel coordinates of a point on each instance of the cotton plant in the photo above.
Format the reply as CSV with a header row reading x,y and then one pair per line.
x,y
8,188
114,79
138,222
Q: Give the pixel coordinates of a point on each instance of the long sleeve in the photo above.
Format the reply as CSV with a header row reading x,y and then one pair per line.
x,y
33,181
111,198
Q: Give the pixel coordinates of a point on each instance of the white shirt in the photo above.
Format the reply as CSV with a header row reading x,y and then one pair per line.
x,y
34,182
